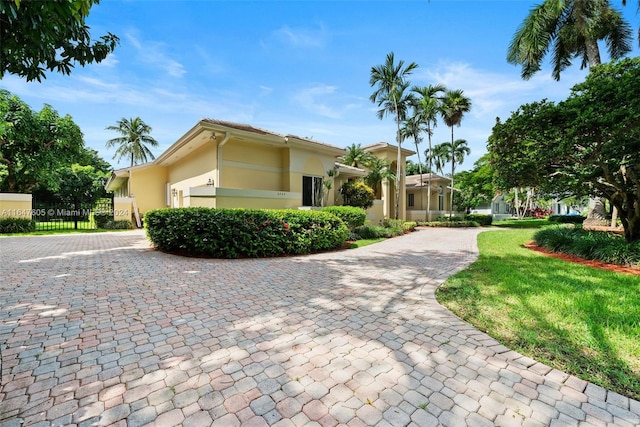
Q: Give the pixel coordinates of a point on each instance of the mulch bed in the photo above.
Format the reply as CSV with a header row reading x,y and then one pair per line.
x,y
578,260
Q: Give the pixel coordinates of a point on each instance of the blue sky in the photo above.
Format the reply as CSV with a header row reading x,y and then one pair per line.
x,y
298,67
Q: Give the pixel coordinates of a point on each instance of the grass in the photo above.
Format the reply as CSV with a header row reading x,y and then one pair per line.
x,y
364,242
578,319
523,223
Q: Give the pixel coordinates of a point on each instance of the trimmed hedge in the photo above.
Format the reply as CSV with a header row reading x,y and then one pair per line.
x,y
482,219
351,215
117,225
567,219
17,225
233,233
595,245
102,219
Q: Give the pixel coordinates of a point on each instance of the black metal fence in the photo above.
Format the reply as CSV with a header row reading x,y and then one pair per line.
x,y
50,216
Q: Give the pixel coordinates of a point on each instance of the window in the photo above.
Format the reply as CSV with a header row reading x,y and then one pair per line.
x,y
441,201
411,200
496,208
311,191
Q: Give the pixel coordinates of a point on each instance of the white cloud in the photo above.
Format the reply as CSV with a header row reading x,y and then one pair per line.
x,y
323,100
302,37
152,53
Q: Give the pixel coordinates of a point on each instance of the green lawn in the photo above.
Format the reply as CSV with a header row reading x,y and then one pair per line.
x,y
523,223
575,318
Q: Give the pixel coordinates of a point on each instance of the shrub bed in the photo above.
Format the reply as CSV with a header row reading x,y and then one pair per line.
x,y
567,219
595,245
17,225
350,215
482,219
233,233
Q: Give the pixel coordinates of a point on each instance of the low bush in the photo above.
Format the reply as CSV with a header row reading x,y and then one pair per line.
x,y
378,231
233,233
117,225
482,219
357,194
595,245
102,219
567,219
350,215
17,225
445,218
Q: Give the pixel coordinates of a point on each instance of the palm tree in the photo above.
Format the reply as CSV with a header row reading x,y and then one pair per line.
x,y
428,106
412,128
570,29
455,153
624,3
134,140
356,156
438,156
391,94
454,105
379,170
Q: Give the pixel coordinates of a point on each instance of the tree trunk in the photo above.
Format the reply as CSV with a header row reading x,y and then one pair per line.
x,y
420,172
614,217
398,167
427,216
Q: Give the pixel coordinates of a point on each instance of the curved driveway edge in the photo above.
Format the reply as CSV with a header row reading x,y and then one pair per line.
x,y
98,329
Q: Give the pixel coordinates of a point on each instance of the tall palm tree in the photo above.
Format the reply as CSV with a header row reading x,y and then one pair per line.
x,y
455,153
391,94
412,128
356,156
570,29
134,140
427,106
454,105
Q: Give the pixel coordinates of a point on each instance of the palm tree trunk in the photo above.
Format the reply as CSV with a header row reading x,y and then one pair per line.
x,y
427,218
453,161
419,171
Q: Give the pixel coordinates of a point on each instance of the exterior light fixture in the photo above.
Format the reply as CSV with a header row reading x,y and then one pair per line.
x,y
210,182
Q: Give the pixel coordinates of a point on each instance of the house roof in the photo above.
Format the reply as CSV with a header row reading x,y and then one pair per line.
x,y
414,180
350,170
118,176
211,129
386,146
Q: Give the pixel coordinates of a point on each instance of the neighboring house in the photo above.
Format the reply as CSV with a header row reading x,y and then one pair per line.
x,y
498,208
230,165
417,196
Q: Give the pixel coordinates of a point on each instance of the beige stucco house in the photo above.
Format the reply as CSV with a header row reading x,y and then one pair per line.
x,y
418,195
230,165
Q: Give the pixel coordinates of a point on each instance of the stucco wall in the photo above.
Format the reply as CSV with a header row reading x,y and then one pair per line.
x,y
252,166
15,205
148,187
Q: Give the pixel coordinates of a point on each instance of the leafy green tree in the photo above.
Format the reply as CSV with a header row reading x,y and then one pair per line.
x,y
588,144
476,186
437,157
427,108
392,95
453,153
356,156
33,145
134,140
52,35
568,29
412,168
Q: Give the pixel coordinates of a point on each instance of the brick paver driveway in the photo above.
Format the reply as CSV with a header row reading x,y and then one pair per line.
x,y
101,330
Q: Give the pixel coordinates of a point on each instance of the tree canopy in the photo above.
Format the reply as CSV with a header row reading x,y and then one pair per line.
x,y
48,35
588,144
34,144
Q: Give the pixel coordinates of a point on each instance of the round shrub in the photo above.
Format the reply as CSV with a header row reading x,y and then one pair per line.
x,y
357,194
351,215
233,233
